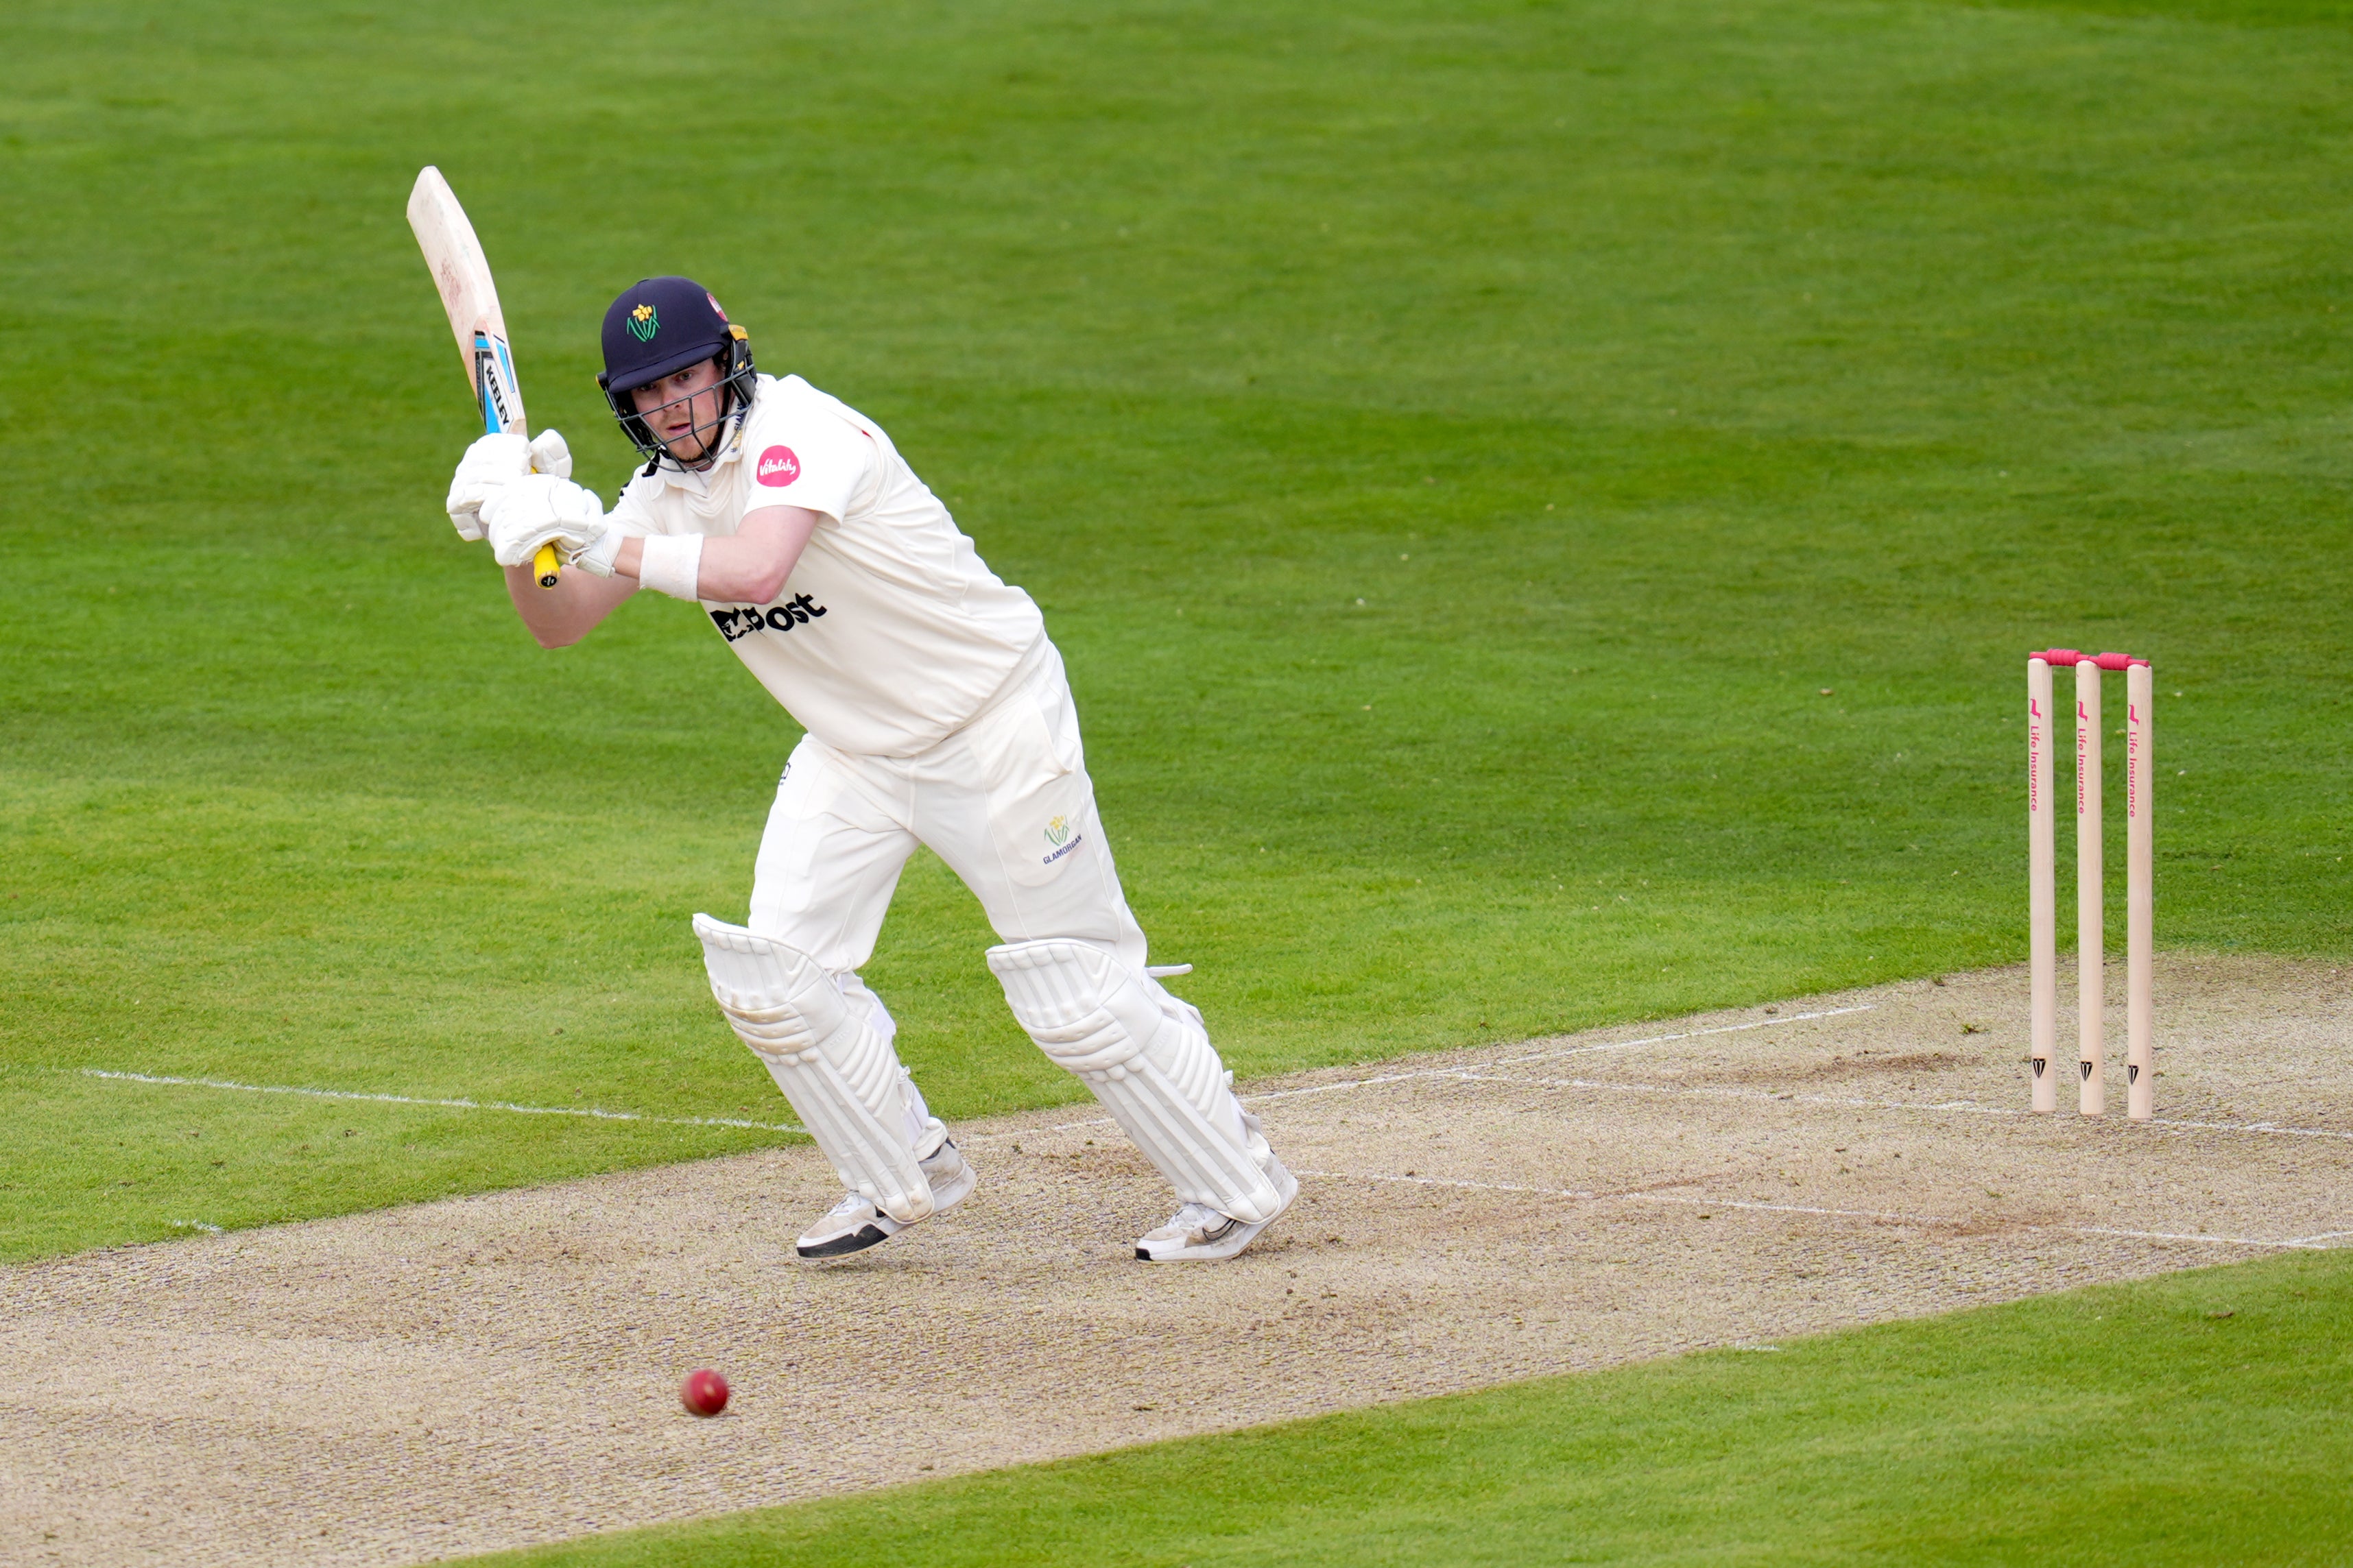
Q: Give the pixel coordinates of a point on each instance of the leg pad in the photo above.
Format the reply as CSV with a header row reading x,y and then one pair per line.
x,y
842,1078
1147,1059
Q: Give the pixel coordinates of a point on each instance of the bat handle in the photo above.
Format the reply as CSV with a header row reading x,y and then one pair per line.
x,y
545,567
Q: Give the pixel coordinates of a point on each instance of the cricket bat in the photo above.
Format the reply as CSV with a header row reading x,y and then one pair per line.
x,y
471,300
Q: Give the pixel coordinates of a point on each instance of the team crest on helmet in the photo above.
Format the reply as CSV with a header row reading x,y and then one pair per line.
x,y
644,323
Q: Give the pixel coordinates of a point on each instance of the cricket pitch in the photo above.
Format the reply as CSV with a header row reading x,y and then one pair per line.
x,y
503,1370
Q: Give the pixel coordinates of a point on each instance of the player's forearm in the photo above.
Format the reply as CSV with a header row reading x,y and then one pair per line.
x,y
745,571
750,567
561,615
726,570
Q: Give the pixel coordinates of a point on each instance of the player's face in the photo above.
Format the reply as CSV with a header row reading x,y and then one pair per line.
x,y
682,409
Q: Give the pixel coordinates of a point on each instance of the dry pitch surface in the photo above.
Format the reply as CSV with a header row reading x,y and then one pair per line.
x,y
495,1371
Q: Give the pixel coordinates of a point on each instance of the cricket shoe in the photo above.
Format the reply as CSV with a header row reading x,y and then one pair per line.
x,y
854,1224
1199,1234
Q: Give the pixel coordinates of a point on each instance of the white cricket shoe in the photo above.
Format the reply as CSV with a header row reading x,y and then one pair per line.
x,y
854,1224
1199,1234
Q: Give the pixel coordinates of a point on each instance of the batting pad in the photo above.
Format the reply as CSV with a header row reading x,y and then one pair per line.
x,y
842,1078
1149,1061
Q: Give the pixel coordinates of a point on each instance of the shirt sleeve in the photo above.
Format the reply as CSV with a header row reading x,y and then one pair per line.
x,y
805,457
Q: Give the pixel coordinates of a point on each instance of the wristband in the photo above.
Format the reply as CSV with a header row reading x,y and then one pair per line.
x,y
672,565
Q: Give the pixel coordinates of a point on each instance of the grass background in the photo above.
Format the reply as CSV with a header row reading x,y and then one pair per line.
x,y
2201,1417
1543,504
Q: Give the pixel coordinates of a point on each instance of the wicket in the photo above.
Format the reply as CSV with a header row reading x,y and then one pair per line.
x,y
2091,1049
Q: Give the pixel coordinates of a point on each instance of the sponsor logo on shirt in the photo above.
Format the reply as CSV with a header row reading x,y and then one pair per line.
x,y
779,466
742,621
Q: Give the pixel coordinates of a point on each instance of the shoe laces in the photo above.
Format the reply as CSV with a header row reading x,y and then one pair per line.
x,y
1197,1216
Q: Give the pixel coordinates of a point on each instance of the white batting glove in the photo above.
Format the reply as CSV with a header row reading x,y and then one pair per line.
x,y
595,558
540,508
490,462
549,455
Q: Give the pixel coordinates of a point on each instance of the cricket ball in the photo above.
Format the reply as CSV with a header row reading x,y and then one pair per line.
x,y
704,1393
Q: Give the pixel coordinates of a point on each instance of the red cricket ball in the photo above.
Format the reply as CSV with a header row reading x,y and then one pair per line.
x,y
704,1392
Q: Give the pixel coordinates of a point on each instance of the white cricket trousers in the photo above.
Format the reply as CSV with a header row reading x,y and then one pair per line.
x,y
1004,801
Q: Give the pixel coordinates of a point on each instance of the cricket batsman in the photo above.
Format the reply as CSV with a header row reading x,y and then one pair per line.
x,y
936,712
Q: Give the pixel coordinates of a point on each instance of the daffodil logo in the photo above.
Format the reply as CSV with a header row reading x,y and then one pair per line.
x,y
643,323
1063,839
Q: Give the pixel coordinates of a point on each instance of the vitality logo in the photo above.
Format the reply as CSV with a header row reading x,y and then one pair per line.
x,y
779,466
739,623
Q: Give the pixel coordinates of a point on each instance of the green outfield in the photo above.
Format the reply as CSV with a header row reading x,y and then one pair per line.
x,y
1544,505
2204,1418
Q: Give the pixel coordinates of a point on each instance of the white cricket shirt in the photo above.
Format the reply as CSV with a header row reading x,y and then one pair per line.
x,y
892,633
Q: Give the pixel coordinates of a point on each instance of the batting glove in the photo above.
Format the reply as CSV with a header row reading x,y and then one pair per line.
x,y
549,455
595,558
490,462
522,514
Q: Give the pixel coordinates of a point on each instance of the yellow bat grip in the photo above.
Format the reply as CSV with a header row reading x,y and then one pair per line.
x,y
545,567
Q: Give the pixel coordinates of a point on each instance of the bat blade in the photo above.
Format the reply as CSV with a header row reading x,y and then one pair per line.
x,y
470,297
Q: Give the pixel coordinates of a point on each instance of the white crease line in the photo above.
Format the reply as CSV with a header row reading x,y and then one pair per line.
x,y
1711,1091
969,1138
1034,1132
1877,1214
2314,1240
2271,1127
1466,1074
1686,1035
2177,1236
1594,1197
1550,1055
1963,1107
591,1112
